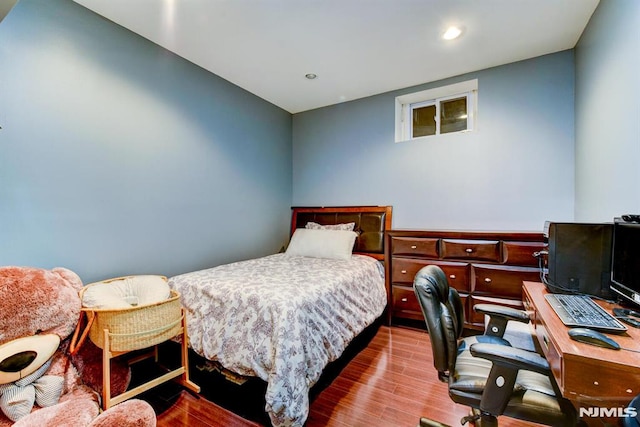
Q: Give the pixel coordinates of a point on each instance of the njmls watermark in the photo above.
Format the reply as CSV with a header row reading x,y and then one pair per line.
x,y
600,412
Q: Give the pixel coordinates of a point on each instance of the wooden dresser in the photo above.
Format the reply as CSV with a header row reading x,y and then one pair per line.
x,y
485,267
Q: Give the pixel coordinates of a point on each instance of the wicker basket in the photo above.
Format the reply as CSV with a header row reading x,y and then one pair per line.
x,y
136,327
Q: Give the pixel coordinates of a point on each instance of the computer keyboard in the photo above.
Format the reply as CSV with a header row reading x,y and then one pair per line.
x,y
581,311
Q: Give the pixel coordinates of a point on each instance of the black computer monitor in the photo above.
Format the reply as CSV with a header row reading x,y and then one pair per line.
x,y
579,259
625,263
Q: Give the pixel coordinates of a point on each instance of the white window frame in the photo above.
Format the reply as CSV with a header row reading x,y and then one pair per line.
x,y
406,103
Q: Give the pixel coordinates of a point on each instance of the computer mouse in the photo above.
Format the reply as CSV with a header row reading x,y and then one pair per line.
x,y
589,336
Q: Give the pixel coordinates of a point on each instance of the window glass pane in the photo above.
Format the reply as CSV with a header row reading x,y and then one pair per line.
x,y
424,121
453,115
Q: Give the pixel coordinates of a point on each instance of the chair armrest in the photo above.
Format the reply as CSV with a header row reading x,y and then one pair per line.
x,y
511,357
503,311
506,363
499,315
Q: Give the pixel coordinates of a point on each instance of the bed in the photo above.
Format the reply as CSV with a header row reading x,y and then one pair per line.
x,y
284,317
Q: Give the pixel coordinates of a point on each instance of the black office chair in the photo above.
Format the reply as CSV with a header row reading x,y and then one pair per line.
x,y
485,372
633,421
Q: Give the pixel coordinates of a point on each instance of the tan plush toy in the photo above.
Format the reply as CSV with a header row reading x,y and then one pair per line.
x,y
40,384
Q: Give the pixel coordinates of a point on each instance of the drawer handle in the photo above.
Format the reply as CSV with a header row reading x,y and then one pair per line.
x,y
403,271
468,250
487,280
414,247
404,300
452,276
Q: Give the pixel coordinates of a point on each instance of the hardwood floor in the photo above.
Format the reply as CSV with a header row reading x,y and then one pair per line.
x,y
391,382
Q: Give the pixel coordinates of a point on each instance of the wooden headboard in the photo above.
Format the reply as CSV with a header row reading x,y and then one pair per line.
x,y
371,223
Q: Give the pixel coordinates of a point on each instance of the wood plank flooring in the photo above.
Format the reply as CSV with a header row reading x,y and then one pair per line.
x,y
391,382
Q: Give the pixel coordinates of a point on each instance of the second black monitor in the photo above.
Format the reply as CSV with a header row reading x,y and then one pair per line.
x,y
579,258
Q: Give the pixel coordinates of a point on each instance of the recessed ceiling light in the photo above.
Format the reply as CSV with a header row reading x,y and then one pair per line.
x,y
311,76
452,33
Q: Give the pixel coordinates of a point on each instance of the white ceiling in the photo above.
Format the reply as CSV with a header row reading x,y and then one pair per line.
x,y
357,48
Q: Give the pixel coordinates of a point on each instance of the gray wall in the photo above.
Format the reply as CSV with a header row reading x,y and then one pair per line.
x,y
608,113
514,172
118,157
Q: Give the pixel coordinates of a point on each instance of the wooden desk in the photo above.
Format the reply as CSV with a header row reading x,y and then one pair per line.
x,y
587,375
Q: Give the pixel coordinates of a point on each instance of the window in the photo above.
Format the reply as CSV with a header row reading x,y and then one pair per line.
x,y
436,111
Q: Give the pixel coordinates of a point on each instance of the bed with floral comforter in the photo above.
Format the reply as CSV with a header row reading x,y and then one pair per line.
x,y
281,318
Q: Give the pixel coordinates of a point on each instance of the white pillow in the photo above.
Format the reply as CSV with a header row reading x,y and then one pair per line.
x,y
333,244
349,226
127,292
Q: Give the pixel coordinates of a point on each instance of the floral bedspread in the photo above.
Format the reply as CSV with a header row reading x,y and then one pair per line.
x,y
281,318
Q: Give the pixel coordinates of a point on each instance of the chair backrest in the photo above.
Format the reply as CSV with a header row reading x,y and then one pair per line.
x,y
444,315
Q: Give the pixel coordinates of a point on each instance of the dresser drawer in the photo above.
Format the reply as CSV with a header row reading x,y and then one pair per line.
x,y
521,253
458,274
478,318
480,265
502,281
473,250
414,246
404,270
405,303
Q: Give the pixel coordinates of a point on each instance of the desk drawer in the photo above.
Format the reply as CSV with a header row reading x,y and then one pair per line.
x,y
500,280
587,379
476,250
550,352
414,246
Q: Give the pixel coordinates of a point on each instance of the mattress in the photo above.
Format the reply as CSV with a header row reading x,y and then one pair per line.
x,y
281,318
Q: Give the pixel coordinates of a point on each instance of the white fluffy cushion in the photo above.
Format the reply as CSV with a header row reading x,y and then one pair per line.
x,y
349,226
126,292
334,244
